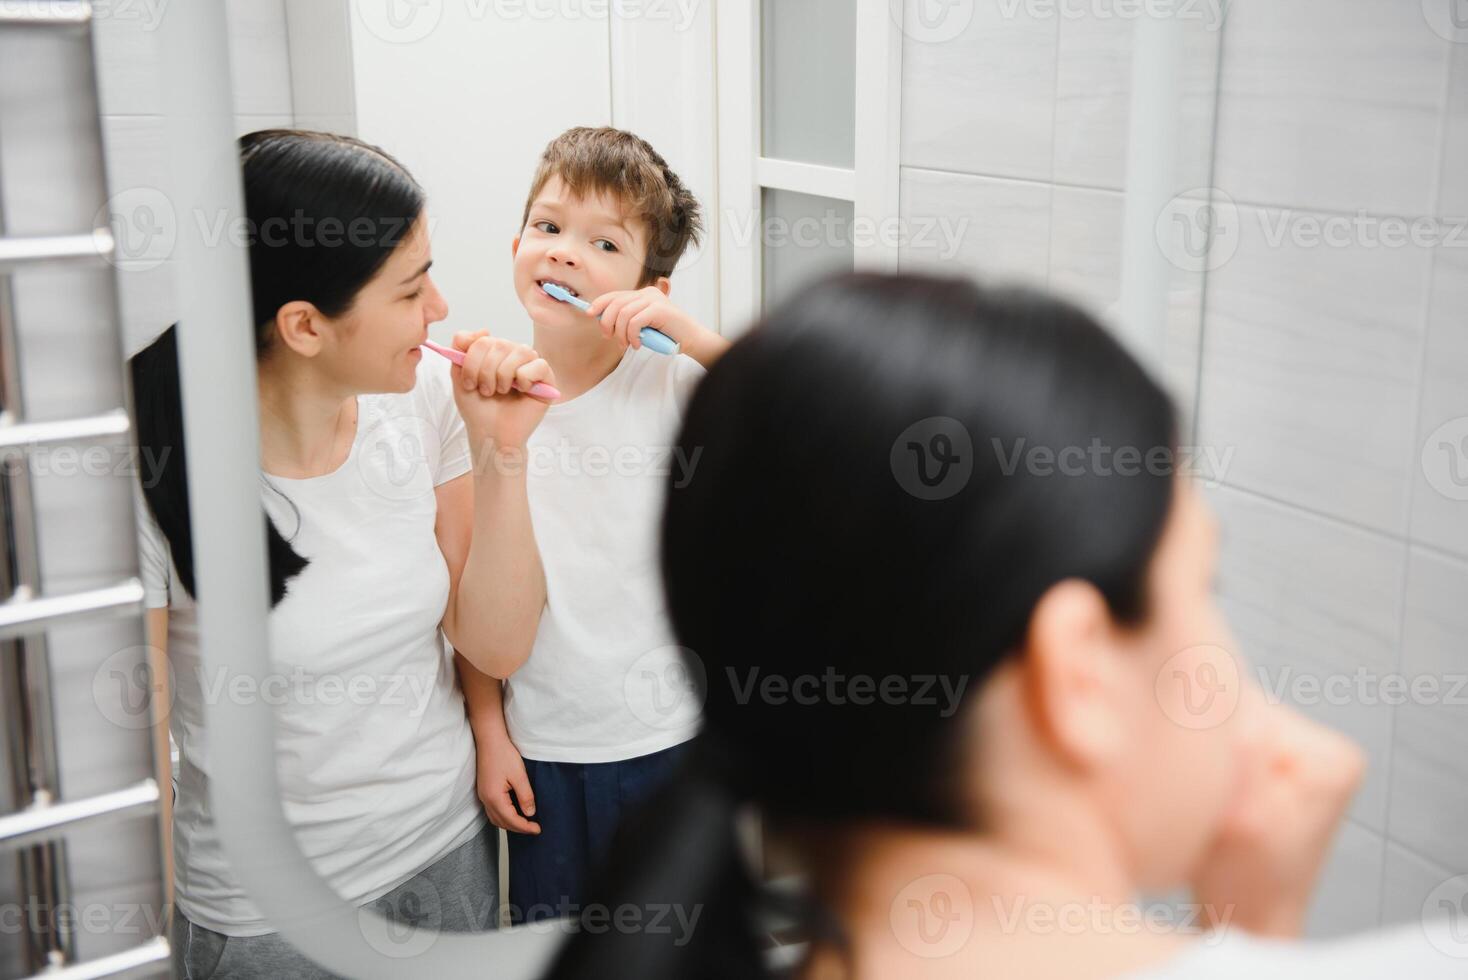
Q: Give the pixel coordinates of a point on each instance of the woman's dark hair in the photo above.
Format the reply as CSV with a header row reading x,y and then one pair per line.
x,y
324,213
891,471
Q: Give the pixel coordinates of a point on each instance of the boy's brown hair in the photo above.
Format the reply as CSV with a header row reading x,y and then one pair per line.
x,y
625,167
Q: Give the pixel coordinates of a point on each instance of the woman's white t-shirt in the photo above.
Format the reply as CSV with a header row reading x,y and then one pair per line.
x,y
373,747
1432,950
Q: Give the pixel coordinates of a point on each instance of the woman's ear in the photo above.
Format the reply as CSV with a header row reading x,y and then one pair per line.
x,y
297,325
1074,676
665,284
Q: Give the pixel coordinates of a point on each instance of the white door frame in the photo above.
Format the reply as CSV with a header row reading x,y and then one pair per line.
x,y
872,185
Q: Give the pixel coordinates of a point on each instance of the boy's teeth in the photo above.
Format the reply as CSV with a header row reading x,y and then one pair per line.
x,y
552,282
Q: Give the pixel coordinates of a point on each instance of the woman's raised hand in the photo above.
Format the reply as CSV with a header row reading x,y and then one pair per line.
x,y
490,387
1297,779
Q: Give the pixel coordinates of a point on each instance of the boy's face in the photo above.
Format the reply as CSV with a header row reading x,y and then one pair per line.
x,y
590,245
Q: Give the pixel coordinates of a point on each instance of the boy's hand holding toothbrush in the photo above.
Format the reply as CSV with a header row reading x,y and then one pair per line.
x,y
624,313
502,389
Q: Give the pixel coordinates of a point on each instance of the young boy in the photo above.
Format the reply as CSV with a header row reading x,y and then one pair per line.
x,y
598,705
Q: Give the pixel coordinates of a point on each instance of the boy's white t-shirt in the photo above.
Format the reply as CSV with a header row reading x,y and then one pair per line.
x,y
372,744
604,681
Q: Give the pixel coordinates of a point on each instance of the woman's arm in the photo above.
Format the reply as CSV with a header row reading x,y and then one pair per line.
x,y
497,585
156,626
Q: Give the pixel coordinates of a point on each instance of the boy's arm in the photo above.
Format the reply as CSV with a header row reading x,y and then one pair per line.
x,y
500,768
485,532
706,347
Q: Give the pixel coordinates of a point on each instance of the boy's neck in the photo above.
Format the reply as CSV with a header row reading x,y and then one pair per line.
x,y
579,362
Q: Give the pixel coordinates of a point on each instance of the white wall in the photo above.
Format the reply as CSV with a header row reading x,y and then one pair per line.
x,y
468,94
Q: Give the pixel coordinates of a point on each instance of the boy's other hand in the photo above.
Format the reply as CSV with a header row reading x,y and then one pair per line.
x,y
489,389
501,773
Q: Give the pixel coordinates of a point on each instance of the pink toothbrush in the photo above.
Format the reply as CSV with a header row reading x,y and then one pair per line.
x,y
540,389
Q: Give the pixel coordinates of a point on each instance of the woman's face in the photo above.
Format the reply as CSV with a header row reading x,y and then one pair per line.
x,y
1188,708
376,343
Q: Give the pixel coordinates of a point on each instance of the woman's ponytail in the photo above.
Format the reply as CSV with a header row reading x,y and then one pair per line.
x,y
677,864
158,408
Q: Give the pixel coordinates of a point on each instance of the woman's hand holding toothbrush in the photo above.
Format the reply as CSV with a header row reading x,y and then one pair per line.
x,y
490,387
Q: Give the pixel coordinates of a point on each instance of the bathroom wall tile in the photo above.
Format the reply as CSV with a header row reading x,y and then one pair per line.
x,y
343,124
997,230
147,303
50,159
126,53
1093,98
1348,892
248,124
259,60
102,742
1332,106
979,100
1407,884
1453,198
1430,766
320,45
117,884
1440,467
1311,358
123,917
1085,267
1314,605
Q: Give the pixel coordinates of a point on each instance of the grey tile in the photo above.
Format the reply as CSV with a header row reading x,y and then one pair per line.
x,y
1407,884
997,230
126,53
98,691
51,155
1453,198
249,124
1348,892
981,102
320,45
1315,606
1332,106
260,61
1311,358
1093,98
1440,467
66,323
1430,764
1085,267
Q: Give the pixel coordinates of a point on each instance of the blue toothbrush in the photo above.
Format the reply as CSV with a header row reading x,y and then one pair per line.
x,y
653,340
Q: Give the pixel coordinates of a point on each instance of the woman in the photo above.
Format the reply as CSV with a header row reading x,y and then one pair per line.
x,y
375,549
955,616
